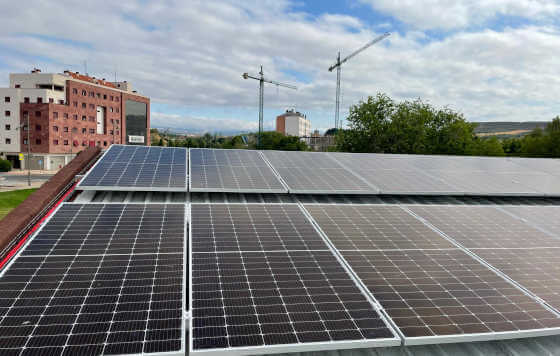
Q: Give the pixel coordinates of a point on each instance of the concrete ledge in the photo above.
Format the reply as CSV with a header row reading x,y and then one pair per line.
x,y
19,218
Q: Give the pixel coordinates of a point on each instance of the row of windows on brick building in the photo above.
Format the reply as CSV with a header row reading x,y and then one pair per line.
x,y
93,95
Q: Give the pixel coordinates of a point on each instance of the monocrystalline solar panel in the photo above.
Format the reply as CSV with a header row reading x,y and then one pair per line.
x,y
484,227
536,269
431,288
366,227
263,277
316,172
252,227
98,300
540,217
231,171
447,293
139,168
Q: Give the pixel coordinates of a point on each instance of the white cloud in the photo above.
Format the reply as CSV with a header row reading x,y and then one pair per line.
x,y
456,14
192,54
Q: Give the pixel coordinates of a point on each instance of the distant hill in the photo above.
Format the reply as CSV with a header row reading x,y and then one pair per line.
x,y
507,129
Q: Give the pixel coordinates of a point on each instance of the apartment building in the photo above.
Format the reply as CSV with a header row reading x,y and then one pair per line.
x,y
293,123
66,113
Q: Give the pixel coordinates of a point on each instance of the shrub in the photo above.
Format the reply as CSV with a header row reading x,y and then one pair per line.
x,y
5,166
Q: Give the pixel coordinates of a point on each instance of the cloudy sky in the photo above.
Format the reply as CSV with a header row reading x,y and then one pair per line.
x,y
493,60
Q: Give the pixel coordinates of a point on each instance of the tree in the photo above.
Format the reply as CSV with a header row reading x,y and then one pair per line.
x,y
379,124
487,147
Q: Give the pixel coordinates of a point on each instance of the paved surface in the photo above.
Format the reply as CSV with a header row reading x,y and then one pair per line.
x,y
18,180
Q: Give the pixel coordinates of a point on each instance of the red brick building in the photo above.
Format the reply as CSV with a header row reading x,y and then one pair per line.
x,y
93,112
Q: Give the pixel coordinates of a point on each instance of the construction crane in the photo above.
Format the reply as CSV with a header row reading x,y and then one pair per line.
x,y
263,80
338,66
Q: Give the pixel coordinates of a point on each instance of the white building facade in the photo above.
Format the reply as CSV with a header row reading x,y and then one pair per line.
x,y
293,123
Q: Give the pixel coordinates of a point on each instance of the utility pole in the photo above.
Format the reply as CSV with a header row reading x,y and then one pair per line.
x,y
263,80
338,66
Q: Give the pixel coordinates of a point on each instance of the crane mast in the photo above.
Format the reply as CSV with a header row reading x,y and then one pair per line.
x,y
338,65
263,80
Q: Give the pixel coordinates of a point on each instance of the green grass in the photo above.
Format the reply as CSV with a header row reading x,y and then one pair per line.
x,y
9,200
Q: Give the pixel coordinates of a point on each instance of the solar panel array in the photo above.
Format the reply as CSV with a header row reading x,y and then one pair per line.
x,y
316,172
231,171
139,168
98,279
430,287
274,284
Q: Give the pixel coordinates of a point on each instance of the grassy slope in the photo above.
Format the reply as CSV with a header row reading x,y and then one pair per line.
x,y
9,200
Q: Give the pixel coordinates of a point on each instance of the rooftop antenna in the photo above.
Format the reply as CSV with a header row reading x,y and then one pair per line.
x,y
338,64
263,80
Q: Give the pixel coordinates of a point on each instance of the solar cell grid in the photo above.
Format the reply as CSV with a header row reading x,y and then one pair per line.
x,y
544,217
357,227
316,172
231,171
537,269
272,298
484,227
446,293
108,302
139,168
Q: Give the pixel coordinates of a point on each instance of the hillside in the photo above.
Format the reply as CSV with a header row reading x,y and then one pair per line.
x,y
507,128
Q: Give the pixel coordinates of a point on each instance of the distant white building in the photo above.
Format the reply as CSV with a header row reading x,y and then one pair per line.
x,y
293,123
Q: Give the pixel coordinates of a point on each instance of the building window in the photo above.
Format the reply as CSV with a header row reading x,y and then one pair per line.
x,y
25,114
104,143
98,96
65,115
37,127
61,102
111,132
7,113
98,143
25,141
74,130
117,132
8,127
65,128
51,100
38,141
112,121
65,142
117,99
84,143
26,100
92,94
91,131
92,119
7,99
75,117
92,106
84,105
55,115
84,118
111,109
55,128
8,141
39,100
117,109
18,86
104,96
37,113
84,130
74,91
117,121
55,142
112,98
75,104
84,93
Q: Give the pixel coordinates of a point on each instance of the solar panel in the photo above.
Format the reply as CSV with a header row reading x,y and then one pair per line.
x,y
484,227
536,269
357,227
117,299
541,217
430,288
294,297
231,171
447,293
138,168
316,172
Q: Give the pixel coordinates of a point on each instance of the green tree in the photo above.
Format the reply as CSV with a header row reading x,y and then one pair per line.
x,y
487,147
